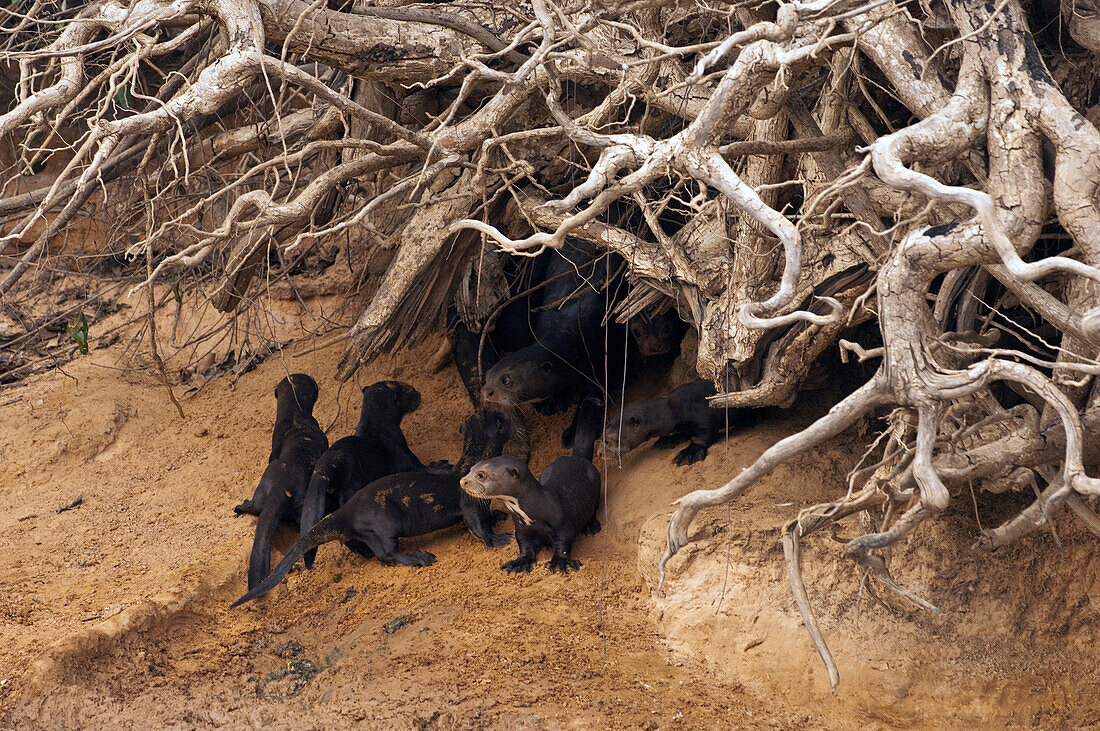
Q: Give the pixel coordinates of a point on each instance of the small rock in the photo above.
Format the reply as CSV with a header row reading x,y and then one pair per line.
x,y
291,648
398,623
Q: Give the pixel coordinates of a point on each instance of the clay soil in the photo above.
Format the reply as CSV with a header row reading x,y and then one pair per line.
x,y
115,614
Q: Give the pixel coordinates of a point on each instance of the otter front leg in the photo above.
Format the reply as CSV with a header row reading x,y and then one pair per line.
x,y
528,551
561,563
479,518
669,441
702,437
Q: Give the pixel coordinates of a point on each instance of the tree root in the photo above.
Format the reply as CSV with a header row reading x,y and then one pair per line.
x,y
708,146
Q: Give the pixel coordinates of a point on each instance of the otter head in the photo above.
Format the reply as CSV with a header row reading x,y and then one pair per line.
x,y
498,477
484,435
501,479
390,396
299,389
656,335
526,375
626,431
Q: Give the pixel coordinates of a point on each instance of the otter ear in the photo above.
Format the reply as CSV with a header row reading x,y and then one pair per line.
x,y
634,421
514,473
547,366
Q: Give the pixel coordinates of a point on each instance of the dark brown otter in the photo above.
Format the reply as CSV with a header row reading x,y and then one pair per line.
x,y
568,358
407,504
553,509
376,449
657,335
685,414
296,444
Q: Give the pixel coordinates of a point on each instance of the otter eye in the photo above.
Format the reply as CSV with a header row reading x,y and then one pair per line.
x,y
481,475
634,421
506,380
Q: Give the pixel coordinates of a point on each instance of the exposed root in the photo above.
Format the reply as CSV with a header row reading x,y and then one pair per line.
x,y
798,588
709,146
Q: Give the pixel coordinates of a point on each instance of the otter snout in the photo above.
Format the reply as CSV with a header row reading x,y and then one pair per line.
x,y
471,486
608,442
598,449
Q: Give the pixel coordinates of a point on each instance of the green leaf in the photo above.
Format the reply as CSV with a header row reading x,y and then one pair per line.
x,y
123,100
78,331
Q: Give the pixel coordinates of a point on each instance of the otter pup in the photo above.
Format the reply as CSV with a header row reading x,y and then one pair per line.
x,y
685,414
551,510
658,334
376,448
296,444
407,504
508,326
567,357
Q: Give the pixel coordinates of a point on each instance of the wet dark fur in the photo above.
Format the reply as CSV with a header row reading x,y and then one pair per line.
x,y
377,448
567,359
509,331
553,509
407,504
568,333
296,444
685,414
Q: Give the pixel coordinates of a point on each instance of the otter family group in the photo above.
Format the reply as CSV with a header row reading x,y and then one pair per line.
x,y
558,348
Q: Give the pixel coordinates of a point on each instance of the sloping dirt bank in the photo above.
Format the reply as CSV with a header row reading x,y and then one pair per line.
x,y
115,613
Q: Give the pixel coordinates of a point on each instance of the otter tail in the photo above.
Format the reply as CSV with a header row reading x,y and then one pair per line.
x,y
589,425
274,510
313,506
326,530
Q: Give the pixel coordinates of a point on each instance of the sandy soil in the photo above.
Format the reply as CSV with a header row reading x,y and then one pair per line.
x,y
115,614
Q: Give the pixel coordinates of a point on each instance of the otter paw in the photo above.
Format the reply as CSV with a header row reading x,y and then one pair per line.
x,y
498,540
592,528
496,516
421,558
246,508
562,565
440,466
667,442
521,565
690,454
